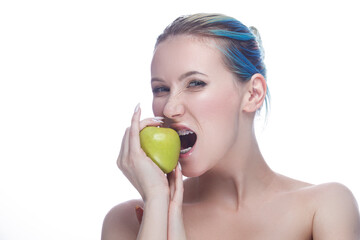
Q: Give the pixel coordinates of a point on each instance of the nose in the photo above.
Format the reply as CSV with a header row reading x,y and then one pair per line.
x,y
174,108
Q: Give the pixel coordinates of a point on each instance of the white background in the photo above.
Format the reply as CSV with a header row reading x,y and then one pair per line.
x,y
72,72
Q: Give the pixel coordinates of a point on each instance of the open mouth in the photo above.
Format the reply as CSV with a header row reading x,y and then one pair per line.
x,y
187,139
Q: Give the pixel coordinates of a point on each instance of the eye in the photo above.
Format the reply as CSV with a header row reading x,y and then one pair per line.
x,y
196,83
159,90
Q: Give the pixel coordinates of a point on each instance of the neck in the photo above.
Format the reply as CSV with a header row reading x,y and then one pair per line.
x,y
240,177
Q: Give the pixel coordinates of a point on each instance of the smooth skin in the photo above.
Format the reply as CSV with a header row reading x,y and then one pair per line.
x,y
231,192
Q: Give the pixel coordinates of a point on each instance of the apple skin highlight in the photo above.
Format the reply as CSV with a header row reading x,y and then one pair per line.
x,y
162,146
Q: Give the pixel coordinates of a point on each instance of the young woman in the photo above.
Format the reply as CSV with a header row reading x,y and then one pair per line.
x,y
208,81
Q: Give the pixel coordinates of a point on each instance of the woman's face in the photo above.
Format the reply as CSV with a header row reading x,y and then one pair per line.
x,y
199,97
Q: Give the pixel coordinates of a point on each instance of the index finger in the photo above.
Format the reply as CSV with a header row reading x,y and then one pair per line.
x,y
134,129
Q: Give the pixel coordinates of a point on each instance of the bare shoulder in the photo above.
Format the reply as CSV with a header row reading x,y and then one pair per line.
x,y
320,192
332,194
332,207
121,222
328,195
333,188
336,212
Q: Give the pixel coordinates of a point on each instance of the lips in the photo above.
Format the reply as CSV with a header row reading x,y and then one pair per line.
x,y
187,139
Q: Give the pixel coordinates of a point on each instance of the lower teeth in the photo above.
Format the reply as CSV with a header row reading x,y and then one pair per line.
x,y
185,150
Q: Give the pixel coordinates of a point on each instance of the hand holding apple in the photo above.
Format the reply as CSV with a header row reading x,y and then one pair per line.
x,y
162,146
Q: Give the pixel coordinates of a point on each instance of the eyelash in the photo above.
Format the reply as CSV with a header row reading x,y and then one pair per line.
x,y
197,83
192,84
158,90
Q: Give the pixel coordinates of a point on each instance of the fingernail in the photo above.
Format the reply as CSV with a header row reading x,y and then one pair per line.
x,y
157,120
137,108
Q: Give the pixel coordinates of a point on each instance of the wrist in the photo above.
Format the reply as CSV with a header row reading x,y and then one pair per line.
x,y
157,195
155,217
157,198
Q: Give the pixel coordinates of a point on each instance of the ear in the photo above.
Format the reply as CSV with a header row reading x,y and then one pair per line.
x,y
255,94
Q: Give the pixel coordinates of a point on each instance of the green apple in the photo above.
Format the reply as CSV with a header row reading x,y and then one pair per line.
x,y
162,145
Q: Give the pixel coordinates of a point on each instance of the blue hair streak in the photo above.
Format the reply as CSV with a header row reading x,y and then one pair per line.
x,y
240,45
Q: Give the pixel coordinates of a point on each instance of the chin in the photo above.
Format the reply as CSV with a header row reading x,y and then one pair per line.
x,y
190,174
190,171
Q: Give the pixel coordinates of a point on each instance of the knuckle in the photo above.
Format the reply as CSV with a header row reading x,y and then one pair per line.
x,y
127,131
133,133
120,165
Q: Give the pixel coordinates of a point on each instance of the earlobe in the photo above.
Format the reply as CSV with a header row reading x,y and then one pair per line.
x,y
256,93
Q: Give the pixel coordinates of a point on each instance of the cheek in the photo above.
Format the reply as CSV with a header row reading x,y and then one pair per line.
x,y
157,107
218,107
219,121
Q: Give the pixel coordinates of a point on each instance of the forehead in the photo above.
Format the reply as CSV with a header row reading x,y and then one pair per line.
x,y
182,53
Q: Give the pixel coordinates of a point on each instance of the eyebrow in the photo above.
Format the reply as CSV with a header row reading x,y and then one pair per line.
x,y
183,76
188,74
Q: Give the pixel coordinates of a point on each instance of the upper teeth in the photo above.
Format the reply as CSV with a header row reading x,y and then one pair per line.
x,y
183,132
